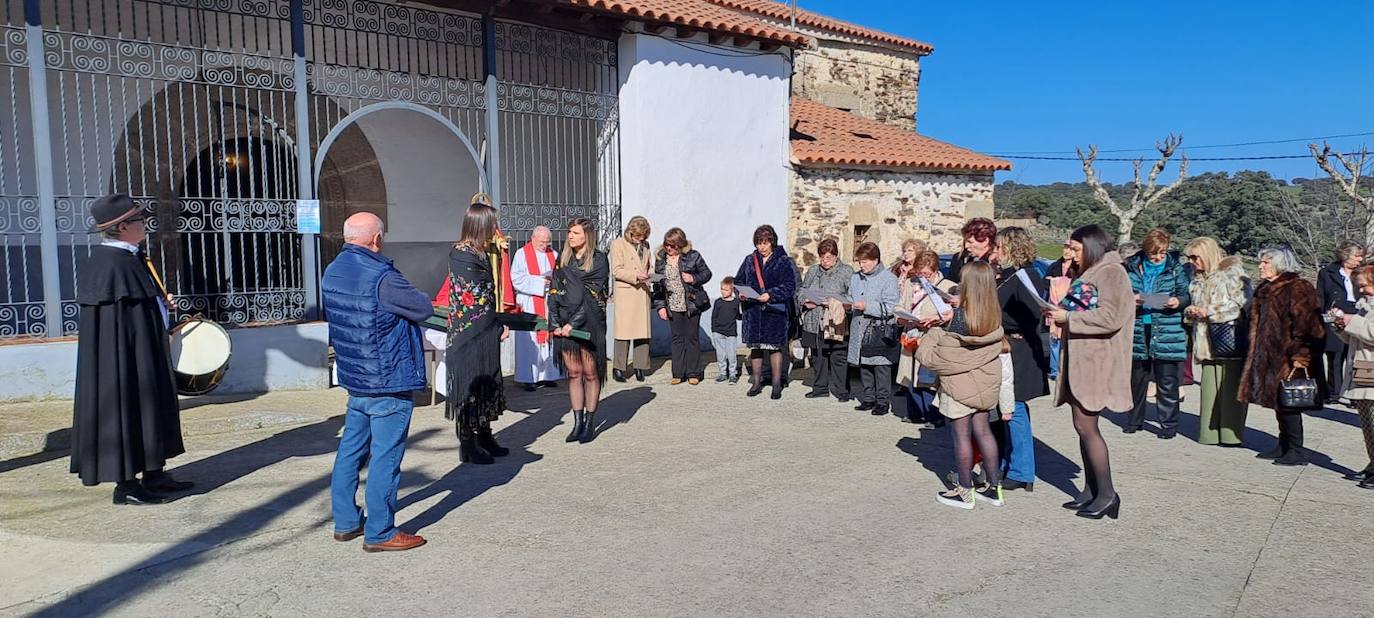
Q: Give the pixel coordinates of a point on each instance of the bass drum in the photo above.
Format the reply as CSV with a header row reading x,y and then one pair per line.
x,y
200,356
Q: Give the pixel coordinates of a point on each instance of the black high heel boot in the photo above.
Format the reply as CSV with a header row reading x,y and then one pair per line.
x,y
588,426
1111,509
488,442
639,375
618,375
470,452
576,435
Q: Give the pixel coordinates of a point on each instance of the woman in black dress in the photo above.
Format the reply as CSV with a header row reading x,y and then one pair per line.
x,y
473,355
577,301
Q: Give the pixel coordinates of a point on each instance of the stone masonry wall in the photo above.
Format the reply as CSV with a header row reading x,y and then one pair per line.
x,y
873,82
892,206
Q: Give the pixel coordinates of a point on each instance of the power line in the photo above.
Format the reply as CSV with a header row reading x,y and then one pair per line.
x,y
1235,145
1263,158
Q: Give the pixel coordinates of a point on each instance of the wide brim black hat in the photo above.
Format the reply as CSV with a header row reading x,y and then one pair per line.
x,y
112,210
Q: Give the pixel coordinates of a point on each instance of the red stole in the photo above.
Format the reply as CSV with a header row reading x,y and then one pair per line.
x,y
532,264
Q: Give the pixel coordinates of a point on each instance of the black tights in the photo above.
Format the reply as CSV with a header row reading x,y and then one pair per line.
x,y
584,383
774,363
975,424
1097,465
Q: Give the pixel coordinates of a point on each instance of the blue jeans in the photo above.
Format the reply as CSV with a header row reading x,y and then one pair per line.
x,y
1054,356
374,435
921,408
1018,446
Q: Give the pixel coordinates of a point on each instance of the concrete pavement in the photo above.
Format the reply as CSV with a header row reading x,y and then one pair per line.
x,y
692,501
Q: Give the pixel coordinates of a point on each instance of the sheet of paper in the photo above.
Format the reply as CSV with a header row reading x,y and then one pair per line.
x,y
822,297
655,277
1153,301
906,315
746,292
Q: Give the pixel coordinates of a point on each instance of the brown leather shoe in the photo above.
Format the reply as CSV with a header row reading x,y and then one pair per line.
x,y
348,536
401,542
694,381
676,381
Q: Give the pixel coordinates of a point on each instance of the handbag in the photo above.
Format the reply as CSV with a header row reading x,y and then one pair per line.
x,y
1229,340
881,337
1363,374
1299,393
763,288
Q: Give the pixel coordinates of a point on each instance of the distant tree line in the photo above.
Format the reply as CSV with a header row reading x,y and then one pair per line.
x,y
1244,211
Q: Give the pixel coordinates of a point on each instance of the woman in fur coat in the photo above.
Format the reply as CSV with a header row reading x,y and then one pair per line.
x,y
767,319
1220,291
1286,339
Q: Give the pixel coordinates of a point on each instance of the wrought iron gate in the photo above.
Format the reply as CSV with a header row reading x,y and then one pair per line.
x,y
191,107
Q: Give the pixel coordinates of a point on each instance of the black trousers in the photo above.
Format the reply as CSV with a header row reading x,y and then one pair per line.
x,y
1335,373
831,362
877,384
1166,375
686,344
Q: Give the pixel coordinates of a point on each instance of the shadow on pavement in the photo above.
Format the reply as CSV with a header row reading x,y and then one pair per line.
x,y
56,445
466,482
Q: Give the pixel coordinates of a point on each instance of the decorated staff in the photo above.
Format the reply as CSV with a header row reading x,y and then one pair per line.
x,y
124,423
530,271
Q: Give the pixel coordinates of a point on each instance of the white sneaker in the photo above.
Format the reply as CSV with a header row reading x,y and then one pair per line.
x,y
958,497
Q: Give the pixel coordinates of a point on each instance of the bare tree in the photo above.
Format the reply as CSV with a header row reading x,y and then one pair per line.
x,y
1348,179
1316,228
1146,193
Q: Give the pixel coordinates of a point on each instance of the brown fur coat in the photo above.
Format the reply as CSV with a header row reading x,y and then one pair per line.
x,y
1285,331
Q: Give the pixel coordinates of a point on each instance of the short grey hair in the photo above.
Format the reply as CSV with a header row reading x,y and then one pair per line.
x,y
1281,257
1347,249
541,228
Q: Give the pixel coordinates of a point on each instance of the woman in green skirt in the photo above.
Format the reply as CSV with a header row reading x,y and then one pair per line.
x,y
1220,291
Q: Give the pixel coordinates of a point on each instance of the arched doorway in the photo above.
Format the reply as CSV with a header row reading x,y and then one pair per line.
x,y
408,165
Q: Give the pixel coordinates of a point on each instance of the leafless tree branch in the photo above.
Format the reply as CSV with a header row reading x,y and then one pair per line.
x,y
1144,194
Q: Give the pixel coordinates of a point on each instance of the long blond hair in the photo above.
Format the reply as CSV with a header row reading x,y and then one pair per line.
x,y
1208,252
978,298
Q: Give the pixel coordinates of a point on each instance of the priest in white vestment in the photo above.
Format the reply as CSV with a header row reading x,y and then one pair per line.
x,y
529,270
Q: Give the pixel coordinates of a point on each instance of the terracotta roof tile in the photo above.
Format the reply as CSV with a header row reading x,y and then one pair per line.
x,y
700,14
781,11
827,136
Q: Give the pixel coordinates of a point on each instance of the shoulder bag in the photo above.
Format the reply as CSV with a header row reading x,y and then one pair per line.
x,y
771,306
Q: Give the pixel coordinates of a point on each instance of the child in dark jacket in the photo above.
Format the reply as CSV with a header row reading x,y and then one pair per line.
x,y
725,316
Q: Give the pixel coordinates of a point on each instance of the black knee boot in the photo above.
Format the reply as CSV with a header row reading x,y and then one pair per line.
x,y
469,451
1293,454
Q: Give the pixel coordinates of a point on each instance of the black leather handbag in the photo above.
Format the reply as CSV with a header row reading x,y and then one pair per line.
x,y
881,337
1229,340
1299,393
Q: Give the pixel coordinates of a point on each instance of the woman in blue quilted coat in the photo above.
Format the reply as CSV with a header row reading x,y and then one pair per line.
x,y
1160,279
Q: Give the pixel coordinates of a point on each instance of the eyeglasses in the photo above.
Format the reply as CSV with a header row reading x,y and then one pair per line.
x,y
1195,258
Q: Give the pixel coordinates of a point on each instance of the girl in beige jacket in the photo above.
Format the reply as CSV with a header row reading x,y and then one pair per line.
x,y
967,358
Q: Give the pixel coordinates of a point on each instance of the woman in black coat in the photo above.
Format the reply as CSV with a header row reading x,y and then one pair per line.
x,y
578,292
1015,253
680,299
1336,290
980,236
768,319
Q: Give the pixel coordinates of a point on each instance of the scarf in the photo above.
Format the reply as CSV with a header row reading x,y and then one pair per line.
x,y
540,306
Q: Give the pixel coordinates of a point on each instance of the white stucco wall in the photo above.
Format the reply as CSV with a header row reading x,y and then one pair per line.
x,y
703,145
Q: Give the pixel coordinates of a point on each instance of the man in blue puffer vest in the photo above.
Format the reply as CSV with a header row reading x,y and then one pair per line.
x,y
372,312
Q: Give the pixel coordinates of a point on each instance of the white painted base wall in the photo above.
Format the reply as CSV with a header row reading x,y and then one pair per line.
x,y
289,357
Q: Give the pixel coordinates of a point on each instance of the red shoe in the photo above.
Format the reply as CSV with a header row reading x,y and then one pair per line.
x,y
401,542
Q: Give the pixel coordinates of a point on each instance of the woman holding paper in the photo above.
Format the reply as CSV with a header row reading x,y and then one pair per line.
x,y
1019,291
873,340
767,284
631,265
980,235
1160,281
680,299
1095,363
928,305
827,343
577,318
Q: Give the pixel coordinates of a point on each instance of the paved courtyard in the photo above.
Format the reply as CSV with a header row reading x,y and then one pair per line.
x,y
693,501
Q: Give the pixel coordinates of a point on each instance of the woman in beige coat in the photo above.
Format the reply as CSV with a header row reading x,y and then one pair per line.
x,y
631,265
1357,330
920,385
1098,317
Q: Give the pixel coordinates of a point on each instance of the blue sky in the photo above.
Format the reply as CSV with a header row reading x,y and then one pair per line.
x,y
1046,76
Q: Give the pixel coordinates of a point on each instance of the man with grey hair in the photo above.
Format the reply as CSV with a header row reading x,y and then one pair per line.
x,y
529,272
373,314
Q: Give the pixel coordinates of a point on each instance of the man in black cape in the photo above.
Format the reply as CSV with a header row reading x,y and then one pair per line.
x,y
126,420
